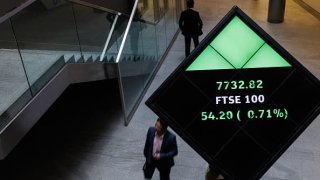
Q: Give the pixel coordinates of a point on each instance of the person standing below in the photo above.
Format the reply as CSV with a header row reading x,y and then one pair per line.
x,y
159,150
190,24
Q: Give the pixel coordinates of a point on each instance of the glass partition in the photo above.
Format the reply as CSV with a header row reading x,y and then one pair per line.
x,y
150,34
138,60
133,46
117,35
161,36
170,20
149,40
14,89
46,38
93,27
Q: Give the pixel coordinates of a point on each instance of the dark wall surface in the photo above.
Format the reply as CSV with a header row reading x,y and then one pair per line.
x,y
123,6
8,5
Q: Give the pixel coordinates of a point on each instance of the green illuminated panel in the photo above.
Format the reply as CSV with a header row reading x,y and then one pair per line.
x,y
209,59
237,42
266,57
237,46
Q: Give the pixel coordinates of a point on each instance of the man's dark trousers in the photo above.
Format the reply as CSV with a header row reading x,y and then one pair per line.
x,y
187,39
164,170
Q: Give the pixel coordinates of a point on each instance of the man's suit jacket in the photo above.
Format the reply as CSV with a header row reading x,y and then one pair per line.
x,y
168,149
190,22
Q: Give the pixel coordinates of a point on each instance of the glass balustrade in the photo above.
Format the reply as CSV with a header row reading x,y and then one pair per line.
x,y
14,88
152,29
46,38
38,41
93,27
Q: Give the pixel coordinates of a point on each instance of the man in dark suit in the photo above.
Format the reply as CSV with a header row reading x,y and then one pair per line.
x,y
159,149
190,24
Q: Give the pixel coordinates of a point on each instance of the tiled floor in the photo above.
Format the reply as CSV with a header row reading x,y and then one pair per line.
x,y
92,143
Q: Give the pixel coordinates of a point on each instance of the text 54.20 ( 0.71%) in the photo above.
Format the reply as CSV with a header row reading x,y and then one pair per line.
x,y
251,114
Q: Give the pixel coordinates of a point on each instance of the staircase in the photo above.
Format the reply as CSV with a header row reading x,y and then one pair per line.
x,y
44,49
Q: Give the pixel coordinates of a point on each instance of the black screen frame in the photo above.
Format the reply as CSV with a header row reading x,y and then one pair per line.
x,y
235,11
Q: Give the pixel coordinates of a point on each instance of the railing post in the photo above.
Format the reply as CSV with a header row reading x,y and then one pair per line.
x,y
276,11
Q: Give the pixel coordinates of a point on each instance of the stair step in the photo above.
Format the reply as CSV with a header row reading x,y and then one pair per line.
x,y
112,59
71,60
81,60
105,59
97,60
90,60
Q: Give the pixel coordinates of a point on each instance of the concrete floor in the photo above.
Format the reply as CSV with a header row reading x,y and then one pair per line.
x,y
76,141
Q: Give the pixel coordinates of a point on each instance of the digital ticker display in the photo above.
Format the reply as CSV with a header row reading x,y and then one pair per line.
x,y
239,99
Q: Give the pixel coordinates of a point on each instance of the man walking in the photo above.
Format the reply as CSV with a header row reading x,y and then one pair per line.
x,y
159,150
190,24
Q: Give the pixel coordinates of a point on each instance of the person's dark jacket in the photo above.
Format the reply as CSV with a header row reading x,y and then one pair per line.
x,y
168,149
190,22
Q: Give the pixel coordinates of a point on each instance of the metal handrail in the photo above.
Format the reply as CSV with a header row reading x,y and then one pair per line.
x,y
127,31
109,37
16,10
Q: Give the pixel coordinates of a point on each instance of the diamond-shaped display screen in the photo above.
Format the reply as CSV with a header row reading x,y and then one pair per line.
x,y
239,99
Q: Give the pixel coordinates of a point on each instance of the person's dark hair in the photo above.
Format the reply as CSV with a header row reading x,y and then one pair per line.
x,y
190,3
163,124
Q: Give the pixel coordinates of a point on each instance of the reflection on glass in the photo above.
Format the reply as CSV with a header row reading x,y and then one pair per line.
x,y
150,50
170,21
133,47
117,35
149,39
14,89
138,66
161,37
131,66
150,34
